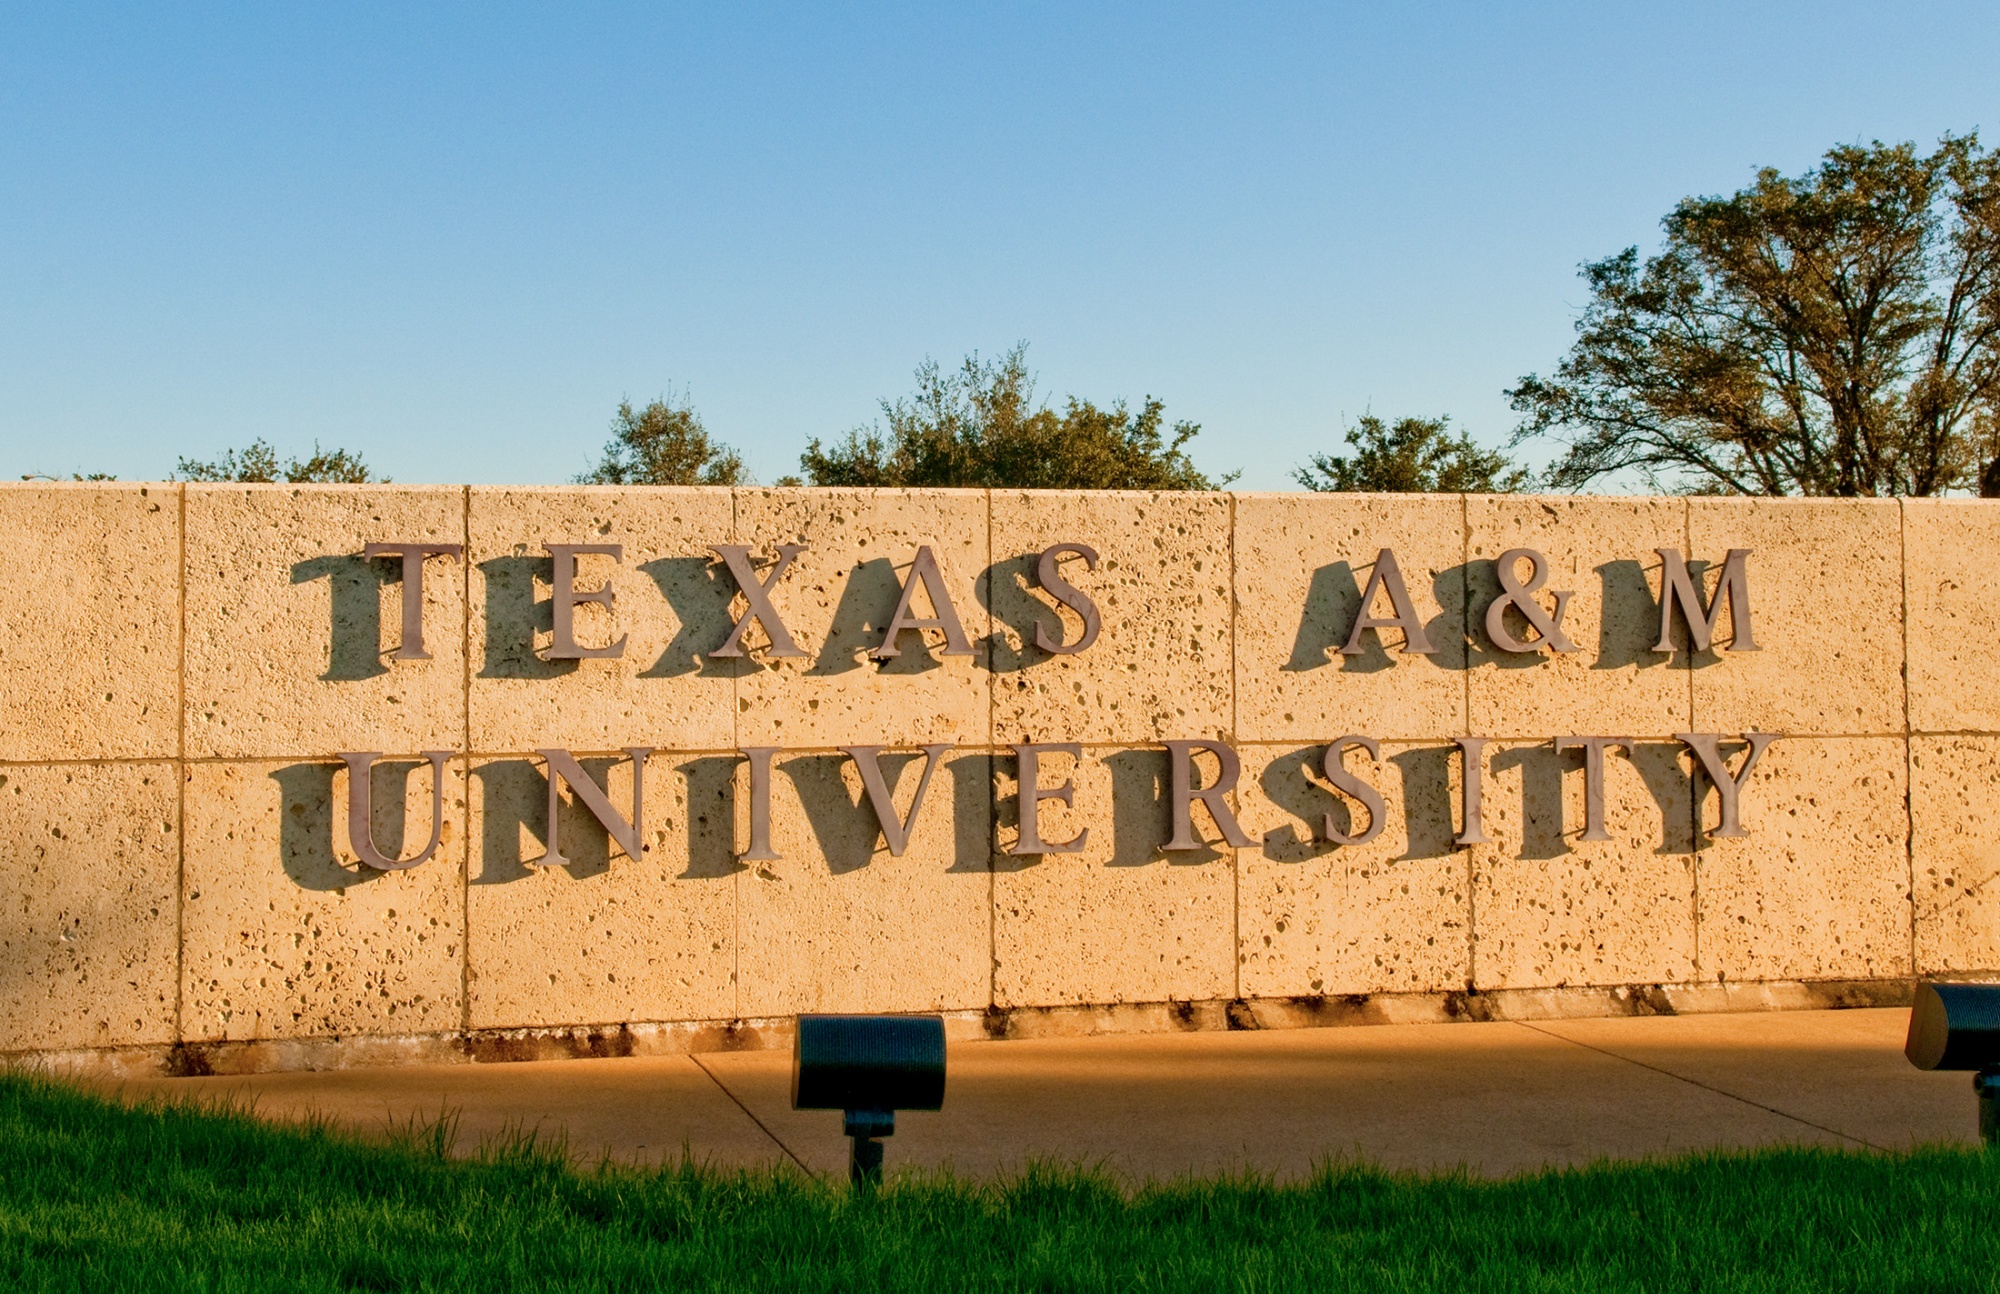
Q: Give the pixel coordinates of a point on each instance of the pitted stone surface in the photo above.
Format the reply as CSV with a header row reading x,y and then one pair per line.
x,y
1952,547
1955,817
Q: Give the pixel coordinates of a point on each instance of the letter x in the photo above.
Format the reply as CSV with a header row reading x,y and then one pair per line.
x,y
758,594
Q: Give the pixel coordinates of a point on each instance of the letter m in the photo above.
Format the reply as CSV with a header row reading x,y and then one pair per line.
x,y
1677,587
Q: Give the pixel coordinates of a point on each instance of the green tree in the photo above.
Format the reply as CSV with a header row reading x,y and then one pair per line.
x,y
981,426
1836,333
664,444
1411,456
258,464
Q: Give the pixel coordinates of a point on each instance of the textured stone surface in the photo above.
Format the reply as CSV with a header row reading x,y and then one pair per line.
x,y
1826,578
1820,888
1302,562
290,631
672,606
88,858
1319,918
837,600
836,923
1160,667
287,935
1602,552
1119,921
1554,910
607,938
90,626
1952,547
1955,852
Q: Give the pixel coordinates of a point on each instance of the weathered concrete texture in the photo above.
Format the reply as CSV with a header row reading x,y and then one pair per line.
x,y
837,600
90,629
88,857
1118,920
671,606
603,938
290,630
836,923
1160,667
1554,909
1952,548
1323,919
287,934
1602,552
1826,586
1955,851
1302,563
1820,887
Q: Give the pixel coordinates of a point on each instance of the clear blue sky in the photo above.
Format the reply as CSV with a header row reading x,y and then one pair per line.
x,y
453,238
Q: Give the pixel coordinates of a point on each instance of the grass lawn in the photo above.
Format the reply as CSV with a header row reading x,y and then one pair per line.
x,y
95,1196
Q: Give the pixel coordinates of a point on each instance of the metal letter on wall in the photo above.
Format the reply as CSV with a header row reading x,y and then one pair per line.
x,y
1677,587
1472,781
564,599
630,836
1048,570
1028,767
1180,779
1728,787
895,831
1521,596
413,555
1334,765
1593,749
760,850
360,809
924,570
1388,578
757,594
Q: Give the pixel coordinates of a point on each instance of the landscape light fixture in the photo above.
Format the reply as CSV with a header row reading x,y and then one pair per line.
x,y
1957,1026
868,1067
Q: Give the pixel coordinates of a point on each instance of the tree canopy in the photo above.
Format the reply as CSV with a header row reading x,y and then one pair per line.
x,y
980,425
258,463
1411,456
1834,333
664,444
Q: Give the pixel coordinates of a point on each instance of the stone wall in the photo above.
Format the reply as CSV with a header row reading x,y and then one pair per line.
x,y
180,667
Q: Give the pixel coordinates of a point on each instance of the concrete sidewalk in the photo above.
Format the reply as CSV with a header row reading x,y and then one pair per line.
x,y
1497,1098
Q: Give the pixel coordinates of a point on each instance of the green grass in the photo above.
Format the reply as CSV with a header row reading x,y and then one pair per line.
x,y
95,1196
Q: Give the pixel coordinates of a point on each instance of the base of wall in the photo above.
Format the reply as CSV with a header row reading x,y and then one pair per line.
x,y
582,1042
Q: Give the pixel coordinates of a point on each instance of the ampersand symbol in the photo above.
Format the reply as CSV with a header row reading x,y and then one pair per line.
x,y
1521,597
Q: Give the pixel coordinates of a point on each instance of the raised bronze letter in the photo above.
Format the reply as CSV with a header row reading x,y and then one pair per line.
x,y
1728,787
924,570
1593,749
1676,586
757,593
1049,571
360,808
629,835
1472,762
1522,598
413,555
895,831
1180,777
1388,577
1028,760
1333,764
760,850
564,599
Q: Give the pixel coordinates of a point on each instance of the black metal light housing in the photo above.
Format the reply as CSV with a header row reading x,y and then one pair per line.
x,y
868,1067
1957,1026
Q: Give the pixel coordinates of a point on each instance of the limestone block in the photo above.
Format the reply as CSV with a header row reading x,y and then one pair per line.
x,y
88,860
1160,667
90,626
1553,910
605,938
1601,551
837,601
1952,551
1820,888
1955,852
672,607
1302,563
1118,921
287,935
1826,584
290,632
836,923
1316,918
